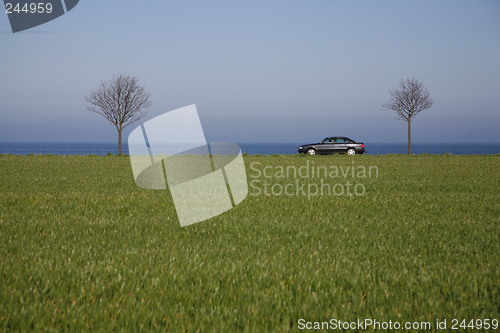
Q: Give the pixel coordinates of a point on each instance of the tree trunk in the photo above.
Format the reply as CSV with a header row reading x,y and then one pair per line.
x,y
409,137
119,142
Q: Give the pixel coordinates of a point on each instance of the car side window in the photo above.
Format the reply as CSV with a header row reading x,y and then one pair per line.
x,y
349,141
340,140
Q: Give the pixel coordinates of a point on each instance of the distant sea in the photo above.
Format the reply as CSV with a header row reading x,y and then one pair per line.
x,y
252,148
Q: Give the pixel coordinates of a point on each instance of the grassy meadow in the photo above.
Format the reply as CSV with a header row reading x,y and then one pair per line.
x,y
85,249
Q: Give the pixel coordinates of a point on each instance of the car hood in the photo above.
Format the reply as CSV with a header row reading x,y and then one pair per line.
x,y
310,144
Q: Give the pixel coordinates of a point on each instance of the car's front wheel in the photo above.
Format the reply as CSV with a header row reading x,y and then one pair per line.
x,y
351,152
311,152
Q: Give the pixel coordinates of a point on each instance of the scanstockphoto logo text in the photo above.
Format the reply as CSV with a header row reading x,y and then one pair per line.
x,y
310,180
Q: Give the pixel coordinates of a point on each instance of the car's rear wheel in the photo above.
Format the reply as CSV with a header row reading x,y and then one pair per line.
x,y
311,152
351,151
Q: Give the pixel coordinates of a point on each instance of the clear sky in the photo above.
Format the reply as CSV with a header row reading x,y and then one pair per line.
x,y
260,71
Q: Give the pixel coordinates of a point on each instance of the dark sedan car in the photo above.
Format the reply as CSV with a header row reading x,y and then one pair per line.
x,y
335,144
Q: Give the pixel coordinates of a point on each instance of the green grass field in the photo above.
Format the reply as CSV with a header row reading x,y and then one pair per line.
x,y
84,248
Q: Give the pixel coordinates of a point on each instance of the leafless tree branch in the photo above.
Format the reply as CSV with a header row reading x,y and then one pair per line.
x,y
121,101
411,98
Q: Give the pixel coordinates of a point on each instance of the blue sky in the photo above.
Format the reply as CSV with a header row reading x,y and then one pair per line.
x,y
260,71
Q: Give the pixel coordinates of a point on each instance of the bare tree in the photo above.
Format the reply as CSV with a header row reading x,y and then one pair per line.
x,y
121,101
411,98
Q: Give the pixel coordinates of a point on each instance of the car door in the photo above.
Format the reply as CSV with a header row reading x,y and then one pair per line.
x,y
326,146
340,145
